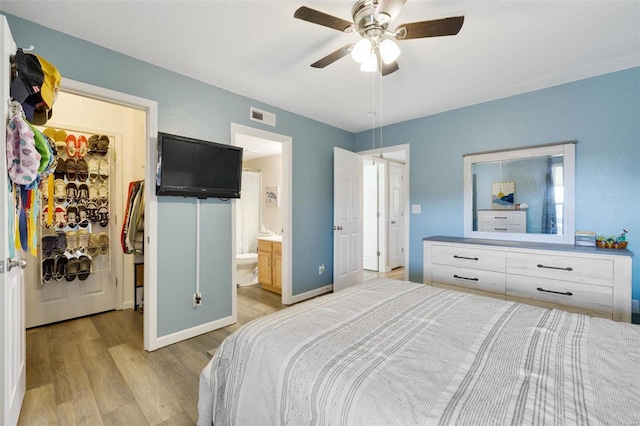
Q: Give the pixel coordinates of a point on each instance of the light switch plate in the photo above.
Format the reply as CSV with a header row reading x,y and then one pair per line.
x,y
416,208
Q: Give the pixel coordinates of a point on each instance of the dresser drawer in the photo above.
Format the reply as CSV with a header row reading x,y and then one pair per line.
x,y
493,282
468,257
496,217
500,227
584,296
564,268
502,221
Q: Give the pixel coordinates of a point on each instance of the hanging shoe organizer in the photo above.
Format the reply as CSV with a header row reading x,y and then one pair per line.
x,y
75,208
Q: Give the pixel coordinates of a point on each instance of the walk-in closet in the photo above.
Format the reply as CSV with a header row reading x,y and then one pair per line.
x,y
89,220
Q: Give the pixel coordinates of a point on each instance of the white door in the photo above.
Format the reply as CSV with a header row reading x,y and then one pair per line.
x,y
347,217
53,301
12,353
396,215
370,216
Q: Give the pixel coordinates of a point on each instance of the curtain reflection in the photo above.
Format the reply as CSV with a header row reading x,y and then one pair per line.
x,y
549,219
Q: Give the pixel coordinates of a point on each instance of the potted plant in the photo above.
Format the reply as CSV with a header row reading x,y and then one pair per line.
x,y
611,240
601,241
621,241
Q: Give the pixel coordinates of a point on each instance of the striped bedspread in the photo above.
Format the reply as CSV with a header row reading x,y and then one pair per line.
x,y
392,352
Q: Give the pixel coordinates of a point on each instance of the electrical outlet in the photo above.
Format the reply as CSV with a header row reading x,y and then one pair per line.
x,y
635,306
321,269
197,299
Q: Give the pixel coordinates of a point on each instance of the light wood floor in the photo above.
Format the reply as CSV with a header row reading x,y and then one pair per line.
x,y
397,274
95,371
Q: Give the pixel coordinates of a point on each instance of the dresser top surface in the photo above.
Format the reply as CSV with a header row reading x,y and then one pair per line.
x,y
530,245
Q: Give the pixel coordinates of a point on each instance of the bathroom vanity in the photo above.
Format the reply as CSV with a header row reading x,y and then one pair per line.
x,y
270,263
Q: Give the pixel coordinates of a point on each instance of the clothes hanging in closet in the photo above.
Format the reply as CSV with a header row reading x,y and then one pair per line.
x,y
132,237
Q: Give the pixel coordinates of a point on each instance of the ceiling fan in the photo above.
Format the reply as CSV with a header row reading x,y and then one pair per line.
x,y
376,50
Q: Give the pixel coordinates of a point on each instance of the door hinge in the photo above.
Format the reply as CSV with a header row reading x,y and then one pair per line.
x,y
378,253
378,215
116,282
402,250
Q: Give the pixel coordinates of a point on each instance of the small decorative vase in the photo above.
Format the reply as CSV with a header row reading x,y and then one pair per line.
x,y
621,244
601,244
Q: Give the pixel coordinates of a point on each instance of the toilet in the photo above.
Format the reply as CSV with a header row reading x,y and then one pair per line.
x,y
246,269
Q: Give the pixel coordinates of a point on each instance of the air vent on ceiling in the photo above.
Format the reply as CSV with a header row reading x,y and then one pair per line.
x,y
262,116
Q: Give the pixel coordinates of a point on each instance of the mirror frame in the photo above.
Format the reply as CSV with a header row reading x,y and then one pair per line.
x,y
567,149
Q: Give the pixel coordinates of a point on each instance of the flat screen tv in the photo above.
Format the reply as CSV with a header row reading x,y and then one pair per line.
x,y
195,168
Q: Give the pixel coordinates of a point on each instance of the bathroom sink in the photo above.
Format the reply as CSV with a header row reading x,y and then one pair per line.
x,y
275,238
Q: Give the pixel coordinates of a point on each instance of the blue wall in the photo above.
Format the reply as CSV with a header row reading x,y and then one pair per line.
x,y
601,113
192,108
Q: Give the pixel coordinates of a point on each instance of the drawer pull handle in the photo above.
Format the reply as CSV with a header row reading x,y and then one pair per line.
x,y
499,217
500,229
568,268
455,256
564,293
464,278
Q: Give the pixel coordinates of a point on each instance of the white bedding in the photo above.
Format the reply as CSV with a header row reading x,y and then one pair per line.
x,y
392,352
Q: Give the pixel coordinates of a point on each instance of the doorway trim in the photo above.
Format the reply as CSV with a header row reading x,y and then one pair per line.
x,y
151,202
286,196
407,208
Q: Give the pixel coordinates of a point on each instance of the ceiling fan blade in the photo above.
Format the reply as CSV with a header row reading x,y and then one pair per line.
x,y
321,18
434,28
387,10
387,69
332,57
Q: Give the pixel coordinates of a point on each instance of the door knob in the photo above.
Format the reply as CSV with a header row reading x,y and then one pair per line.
x,y
22,263
337,228
393,222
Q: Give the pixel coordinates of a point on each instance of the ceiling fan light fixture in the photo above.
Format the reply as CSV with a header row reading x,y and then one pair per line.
x,y
370,64
361,50
389,51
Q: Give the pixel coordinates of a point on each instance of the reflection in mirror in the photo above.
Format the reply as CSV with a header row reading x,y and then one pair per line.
x,y
532,185
524,194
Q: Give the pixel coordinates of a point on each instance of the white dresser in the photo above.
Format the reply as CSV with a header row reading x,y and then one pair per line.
x,y
502,221
587,280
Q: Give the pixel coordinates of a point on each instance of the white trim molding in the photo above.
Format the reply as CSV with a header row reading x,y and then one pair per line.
x,y
181,335
151,341
309,294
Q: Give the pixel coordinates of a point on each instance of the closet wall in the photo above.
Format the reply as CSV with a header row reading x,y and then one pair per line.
x,y
126,130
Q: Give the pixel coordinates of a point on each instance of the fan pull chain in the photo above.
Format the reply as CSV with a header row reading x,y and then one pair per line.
x,y
380,113
373,111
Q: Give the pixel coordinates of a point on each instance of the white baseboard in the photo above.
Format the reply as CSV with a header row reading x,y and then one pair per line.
x,y
193,332
309,294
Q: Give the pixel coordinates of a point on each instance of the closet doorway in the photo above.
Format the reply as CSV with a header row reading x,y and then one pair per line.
x,y
109,285
385,209
261,218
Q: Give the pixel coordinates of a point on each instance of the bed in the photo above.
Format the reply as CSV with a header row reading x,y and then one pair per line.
x,y
391,352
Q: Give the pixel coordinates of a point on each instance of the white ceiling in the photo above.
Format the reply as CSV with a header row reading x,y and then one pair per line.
x,y
257,49
255,147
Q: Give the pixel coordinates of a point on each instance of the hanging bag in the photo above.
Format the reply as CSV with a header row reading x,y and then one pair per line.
x,y
23,159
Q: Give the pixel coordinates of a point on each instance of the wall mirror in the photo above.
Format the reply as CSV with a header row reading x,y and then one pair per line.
x,y
522,194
